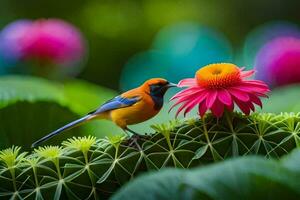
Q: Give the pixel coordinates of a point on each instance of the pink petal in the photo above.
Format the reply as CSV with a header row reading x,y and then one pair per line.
x,y
186,92
193,103
197,97
256,83
251,106
180,109
184,99
175,104
250,89
246,74
217,109
190,97
260,94
224,97
243,106
211,97
255,100
202,109
230,107
254,86
241,95
189,82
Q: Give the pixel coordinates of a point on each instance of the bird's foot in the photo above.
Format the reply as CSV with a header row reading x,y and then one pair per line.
x,y
133,140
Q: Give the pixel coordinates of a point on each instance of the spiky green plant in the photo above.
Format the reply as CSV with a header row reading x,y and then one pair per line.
x,y
86,168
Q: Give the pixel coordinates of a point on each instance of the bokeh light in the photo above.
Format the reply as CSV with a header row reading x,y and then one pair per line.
x,y
190,46
263,34
144,66
278,61
177,52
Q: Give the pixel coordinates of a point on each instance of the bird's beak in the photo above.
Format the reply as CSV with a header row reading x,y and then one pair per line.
x,y
171,85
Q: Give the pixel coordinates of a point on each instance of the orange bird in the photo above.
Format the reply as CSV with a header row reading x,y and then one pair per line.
x,y
132,107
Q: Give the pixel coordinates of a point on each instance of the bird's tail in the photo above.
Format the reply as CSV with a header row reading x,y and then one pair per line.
x,y
64,128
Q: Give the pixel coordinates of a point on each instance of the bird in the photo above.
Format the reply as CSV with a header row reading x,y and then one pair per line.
x,y
131,107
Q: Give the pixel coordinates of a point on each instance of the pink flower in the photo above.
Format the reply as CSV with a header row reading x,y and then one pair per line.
x,y
278,61
53,40
217,87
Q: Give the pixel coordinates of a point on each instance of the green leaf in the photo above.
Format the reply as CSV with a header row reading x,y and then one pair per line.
x,y
283,99
21,88
292,161
242,178
23,122
32,107
200,152
154,186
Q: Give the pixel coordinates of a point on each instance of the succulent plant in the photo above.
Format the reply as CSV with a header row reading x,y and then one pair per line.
x,y
87,168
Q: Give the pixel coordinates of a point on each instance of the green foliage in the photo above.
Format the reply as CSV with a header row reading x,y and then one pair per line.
x,y
19,89
283,99
32,107
86,168
241,178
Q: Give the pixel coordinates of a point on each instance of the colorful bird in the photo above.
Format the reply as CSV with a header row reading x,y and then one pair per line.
x,y
132,107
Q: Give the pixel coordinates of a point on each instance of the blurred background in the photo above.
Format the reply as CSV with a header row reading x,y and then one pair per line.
x,y
61,59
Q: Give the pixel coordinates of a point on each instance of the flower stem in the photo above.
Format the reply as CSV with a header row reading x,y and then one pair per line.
x,y
205,129
228,117
56,163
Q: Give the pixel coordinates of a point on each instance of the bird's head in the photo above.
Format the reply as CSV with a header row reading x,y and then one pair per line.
x,y
157,86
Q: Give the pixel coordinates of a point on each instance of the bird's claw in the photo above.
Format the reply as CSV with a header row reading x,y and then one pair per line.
x,y
133,140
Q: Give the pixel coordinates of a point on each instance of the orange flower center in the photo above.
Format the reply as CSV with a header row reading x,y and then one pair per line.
x,y
219,75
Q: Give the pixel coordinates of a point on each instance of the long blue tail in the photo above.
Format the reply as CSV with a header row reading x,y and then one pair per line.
x,y
64,128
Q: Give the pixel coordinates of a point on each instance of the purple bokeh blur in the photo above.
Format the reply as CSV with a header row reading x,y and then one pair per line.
x,y
11,40
278,61
263,34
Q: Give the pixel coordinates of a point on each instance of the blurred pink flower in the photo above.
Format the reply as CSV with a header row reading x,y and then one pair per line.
x,y
278,61
217,87
51,41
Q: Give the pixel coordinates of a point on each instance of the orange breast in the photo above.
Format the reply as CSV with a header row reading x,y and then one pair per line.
x,y
139,112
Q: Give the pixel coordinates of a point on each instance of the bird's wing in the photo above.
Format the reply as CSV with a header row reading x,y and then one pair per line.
x,y
117,102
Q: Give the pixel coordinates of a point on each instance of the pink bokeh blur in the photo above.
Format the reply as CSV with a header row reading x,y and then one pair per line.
x,y
278,61
51,41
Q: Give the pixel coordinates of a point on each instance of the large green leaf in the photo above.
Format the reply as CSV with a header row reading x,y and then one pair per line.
x,y
31,107
21,88
242,178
